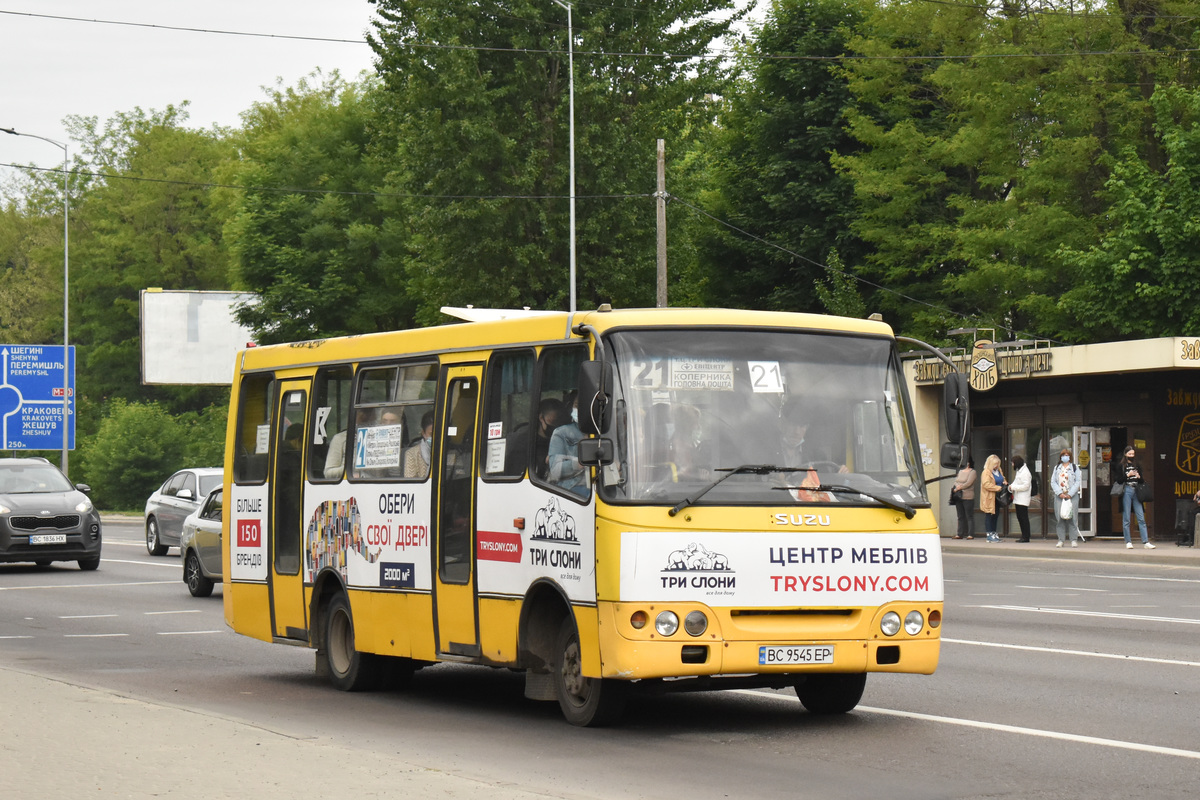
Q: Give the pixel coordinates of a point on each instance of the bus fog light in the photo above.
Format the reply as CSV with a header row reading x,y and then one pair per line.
x,y
890,624
695,623
638,620
666,623
913,623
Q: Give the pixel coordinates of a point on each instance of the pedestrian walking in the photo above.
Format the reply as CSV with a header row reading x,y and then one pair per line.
x,y
1022,491
1129,472
993,483
1065,482
963,493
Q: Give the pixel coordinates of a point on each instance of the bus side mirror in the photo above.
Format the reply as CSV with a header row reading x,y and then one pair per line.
x,y
595,452
595,392
956,407
954,456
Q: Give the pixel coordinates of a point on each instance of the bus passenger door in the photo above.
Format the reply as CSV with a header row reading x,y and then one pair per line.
x,y
454,517
288,616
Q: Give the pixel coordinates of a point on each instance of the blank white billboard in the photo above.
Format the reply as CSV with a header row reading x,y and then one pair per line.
x,y
191,338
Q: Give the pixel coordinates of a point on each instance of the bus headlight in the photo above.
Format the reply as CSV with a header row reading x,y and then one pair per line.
x,y
695,623
913,623
667,622
890,624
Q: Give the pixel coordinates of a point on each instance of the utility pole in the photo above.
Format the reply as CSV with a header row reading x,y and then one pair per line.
x,y
661,202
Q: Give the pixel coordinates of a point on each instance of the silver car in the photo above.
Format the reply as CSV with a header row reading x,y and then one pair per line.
x,y
200,546
167,508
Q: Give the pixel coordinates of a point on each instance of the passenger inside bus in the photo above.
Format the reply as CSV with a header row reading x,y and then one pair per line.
x,y
551,415
336,457
417,457
565,469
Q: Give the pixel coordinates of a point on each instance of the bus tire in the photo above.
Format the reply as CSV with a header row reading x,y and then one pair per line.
x,y
586,702
349,670
827,693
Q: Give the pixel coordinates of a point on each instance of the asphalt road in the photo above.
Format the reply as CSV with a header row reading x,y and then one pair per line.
x,y
1059,678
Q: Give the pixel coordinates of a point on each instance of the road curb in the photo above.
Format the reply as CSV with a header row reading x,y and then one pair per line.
x,y
1113,551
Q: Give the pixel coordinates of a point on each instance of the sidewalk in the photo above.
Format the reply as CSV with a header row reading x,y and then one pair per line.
x,y
1104,549
65,740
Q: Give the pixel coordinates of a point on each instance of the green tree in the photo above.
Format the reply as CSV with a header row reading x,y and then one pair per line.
x,y
476,135
136,447
769,171
988,132
148,221
1139,280
306,230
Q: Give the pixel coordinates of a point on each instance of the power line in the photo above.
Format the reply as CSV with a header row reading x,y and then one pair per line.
x,y
712,54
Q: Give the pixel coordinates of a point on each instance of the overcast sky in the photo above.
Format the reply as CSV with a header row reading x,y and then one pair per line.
x,y
53,66
56,67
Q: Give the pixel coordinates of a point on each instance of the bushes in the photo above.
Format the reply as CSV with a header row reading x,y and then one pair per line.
x,y
138,445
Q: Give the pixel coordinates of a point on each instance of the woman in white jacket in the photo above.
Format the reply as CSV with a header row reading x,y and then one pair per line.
x,y
1022,487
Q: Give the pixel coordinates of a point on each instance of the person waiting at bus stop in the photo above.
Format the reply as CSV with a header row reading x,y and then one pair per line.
x,y
1129,474
1065,482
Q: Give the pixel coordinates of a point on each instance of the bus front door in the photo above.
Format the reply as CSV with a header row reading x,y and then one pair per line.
x,y
288,616
454,520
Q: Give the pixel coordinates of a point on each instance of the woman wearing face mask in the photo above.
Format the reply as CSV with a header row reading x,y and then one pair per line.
x,y
1129,472
416,458
1064,482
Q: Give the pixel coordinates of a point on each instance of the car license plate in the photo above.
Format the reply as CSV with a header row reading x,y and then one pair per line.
x,y
807,654
48,538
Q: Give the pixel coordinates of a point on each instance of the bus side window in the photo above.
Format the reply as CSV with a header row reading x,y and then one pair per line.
x,y
331,416
253,443
509,430
557,378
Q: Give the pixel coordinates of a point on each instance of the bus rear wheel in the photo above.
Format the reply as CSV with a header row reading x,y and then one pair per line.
x,y
586,702
831,693
349,670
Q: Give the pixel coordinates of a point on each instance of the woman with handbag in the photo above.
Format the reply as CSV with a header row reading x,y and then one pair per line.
x,y
1022,489
963,495
1065,481
1129,474
993,484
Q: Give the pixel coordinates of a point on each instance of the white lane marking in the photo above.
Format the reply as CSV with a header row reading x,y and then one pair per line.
x,y
1065,737
1063,588
175,565
184,633
89,616
16,637
1104,615
995,726
84,585
1060,651
1140,578
186,611
92,635
120,543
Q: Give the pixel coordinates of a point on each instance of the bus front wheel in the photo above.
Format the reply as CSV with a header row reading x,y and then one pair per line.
x,y
349,670
831,693
586,702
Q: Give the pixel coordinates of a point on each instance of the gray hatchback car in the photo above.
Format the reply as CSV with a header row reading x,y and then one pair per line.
x,y
169,506
44,517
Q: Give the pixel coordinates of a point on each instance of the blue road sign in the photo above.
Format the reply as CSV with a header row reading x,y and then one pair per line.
x,y
31,397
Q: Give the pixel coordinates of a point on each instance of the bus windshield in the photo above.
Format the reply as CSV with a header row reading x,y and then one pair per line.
x,y
783,411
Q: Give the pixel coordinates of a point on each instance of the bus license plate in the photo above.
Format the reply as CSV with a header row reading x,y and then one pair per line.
x,y
48,538
808,654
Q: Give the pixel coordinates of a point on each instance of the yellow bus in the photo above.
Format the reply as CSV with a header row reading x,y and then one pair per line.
x,y
610,501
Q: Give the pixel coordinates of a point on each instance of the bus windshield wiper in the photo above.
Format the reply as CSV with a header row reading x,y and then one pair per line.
x,y
744,469
897,505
